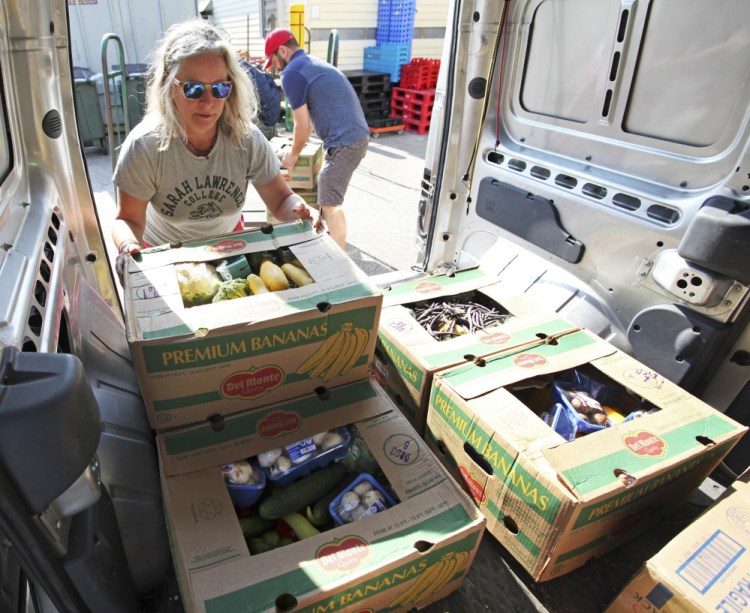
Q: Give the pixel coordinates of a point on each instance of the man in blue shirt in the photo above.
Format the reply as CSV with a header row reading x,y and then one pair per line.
x,y
322,98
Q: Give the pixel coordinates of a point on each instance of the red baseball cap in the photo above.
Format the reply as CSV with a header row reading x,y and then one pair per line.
x,y
274,40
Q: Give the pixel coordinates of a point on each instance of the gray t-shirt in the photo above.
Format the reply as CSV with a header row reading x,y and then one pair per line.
x,y
191,197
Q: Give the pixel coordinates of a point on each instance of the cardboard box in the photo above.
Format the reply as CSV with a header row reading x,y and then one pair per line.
x,y
235,355
410,356
704,568
407,556
552,503
304,175
308,195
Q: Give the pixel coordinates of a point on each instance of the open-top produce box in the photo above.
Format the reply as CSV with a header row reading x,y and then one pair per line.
x,y
571,447
446,321
242,320
378,524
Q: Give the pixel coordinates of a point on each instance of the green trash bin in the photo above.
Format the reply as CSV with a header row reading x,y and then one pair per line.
x,y
136,94
91,128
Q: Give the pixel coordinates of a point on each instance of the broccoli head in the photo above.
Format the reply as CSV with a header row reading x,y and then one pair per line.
x,y
229,290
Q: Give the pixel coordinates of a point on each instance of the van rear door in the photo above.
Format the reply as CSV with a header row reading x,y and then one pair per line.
x,y
598,151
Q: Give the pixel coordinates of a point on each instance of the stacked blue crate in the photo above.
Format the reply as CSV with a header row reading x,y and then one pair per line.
x,y
393,38
387,57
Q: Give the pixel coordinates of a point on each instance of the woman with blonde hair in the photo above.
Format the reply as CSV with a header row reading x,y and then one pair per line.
x,y
183,171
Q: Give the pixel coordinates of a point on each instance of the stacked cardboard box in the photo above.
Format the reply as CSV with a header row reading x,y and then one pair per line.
x,y
704,568
225,357
304,175
381,563
224,382
553,503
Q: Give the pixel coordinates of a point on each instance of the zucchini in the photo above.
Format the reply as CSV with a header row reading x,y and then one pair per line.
x,y
254,526
301,493
319,514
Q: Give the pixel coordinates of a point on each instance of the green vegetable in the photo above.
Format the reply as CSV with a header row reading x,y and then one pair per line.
x,y
318,512
359,458
272,538
254,526
198,282
302,528
301,493
286,540
257,545
229,290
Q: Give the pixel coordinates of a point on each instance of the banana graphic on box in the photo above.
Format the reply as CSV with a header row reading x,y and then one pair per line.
x,y
338,354
432,580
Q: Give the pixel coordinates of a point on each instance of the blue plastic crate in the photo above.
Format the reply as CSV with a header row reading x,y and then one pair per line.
x,y
388,52
392,67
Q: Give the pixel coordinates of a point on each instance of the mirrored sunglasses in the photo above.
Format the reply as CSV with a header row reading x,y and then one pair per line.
x,y
194,90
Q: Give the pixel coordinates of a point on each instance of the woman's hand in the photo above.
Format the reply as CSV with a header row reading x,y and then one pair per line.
x,y
127,249
305,212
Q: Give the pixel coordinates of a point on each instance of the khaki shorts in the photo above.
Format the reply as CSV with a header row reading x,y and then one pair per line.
x,y
338,167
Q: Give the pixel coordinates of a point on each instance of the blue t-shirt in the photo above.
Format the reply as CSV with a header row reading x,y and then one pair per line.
x,y
335,111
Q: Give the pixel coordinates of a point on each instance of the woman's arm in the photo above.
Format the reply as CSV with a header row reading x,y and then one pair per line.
x,y
130,221
285,205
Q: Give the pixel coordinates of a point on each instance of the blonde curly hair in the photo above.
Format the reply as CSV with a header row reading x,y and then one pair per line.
x,y
185,40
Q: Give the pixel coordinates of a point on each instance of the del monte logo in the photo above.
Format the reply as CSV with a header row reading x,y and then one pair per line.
x,y
252,383
475,488
426,287
645,443
343,555
227,245
496,338
278,423
529,360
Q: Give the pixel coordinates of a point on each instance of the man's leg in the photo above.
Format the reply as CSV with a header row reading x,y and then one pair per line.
x,y
338,167
336,222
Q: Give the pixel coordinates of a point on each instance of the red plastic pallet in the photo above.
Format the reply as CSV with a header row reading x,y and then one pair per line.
x,y
413,95
420,73
417,127
401,106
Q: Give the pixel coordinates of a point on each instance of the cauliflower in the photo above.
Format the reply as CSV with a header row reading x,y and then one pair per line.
x,y
198,282
229,290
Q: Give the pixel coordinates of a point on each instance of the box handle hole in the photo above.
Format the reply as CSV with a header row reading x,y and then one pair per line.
x,y
510,525
624,477
216,421
478,459
285,603
423,546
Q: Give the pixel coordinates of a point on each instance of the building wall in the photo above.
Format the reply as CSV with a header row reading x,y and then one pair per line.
x,y
138,24
355,21
242,20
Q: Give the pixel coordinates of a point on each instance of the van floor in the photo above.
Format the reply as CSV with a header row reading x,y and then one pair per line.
x,y
381,210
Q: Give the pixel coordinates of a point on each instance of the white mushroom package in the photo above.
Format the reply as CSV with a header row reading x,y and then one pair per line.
x,y
363,499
